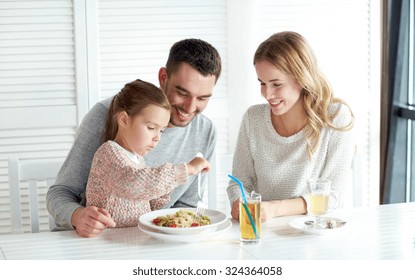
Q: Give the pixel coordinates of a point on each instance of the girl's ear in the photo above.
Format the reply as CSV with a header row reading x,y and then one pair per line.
x,y
122,119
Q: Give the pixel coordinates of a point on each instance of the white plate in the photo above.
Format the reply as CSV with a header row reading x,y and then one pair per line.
x,y
299,223
216,218
186,238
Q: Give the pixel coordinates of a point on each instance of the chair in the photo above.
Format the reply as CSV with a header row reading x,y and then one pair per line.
x,y
33,173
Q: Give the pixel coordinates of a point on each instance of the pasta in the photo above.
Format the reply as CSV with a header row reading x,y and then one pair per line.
x,y
181,219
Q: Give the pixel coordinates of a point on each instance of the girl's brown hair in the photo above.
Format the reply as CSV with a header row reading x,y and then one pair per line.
x,y
133,98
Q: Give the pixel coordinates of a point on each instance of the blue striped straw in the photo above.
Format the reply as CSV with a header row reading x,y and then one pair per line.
x,y
245,204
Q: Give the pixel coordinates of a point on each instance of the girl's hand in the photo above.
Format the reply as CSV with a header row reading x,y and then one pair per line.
x,y
197,165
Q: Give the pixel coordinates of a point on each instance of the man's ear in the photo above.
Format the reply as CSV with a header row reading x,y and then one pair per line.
x,y
122,119
162,76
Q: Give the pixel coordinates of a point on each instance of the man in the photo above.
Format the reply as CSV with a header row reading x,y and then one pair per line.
x,y
191,72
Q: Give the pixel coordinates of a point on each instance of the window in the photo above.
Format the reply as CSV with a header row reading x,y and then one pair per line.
x,y
398,155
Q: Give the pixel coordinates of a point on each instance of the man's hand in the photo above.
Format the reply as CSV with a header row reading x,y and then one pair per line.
x,y
91,221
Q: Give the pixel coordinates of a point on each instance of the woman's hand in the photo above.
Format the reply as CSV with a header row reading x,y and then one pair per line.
x,y
285,207
235,210
275,208
268,210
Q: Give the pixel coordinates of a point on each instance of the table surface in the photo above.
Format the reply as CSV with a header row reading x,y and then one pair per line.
x,y
381,232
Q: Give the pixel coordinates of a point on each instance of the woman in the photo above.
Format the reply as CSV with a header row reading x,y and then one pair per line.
x,y
302,132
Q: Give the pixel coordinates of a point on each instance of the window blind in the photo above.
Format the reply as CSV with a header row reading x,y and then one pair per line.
x,y
37,88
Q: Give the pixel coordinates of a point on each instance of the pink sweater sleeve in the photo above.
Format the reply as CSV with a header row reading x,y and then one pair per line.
x,y
113,173
160,202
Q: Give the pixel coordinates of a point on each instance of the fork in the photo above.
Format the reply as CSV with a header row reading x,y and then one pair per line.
x,y
200,208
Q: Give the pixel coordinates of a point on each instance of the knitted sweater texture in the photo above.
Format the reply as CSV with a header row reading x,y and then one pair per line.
x,y
278,167
127,189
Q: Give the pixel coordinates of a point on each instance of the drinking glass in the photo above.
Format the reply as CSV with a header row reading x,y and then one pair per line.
x,y
250,233
318,196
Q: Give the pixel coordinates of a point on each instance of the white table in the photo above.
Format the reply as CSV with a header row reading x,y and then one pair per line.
x,y
382,232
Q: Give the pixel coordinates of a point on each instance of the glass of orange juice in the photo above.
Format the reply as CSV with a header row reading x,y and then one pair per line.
x,y
318,196
250,225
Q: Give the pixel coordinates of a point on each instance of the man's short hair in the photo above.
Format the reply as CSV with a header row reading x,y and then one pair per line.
x,y
199,54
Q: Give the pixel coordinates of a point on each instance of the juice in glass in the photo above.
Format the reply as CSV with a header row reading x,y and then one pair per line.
x,y
318,204
254,208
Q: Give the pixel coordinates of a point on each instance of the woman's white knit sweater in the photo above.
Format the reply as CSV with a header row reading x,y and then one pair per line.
x,y
278,167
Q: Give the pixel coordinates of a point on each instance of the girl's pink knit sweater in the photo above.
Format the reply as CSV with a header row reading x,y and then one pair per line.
x,y
127,189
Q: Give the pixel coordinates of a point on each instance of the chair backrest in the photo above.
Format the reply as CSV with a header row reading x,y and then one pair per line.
x,y
32,172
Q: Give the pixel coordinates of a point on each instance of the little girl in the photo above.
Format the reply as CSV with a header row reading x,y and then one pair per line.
x,y
118,180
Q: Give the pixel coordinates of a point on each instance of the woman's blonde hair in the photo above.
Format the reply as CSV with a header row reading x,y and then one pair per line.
x,y
291,54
